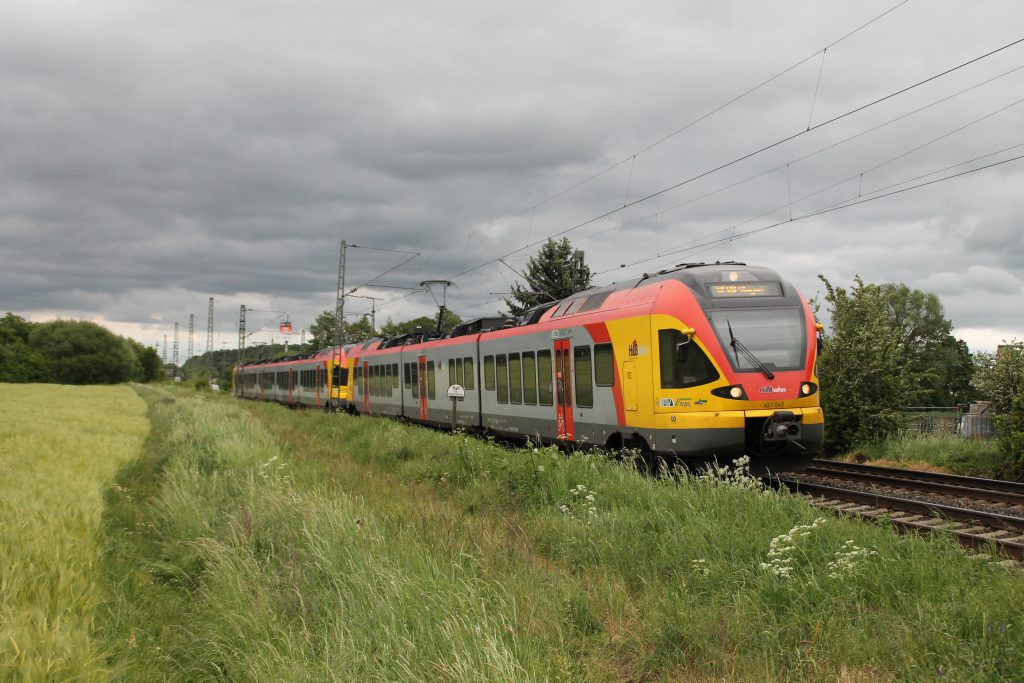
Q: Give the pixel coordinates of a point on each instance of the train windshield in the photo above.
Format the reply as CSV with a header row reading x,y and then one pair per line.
x,y
775,337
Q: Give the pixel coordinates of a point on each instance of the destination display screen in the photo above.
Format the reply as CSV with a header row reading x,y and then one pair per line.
x,y
737,290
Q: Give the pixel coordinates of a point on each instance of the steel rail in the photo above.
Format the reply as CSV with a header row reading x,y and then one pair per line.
x,y
890,478
880,505
916,475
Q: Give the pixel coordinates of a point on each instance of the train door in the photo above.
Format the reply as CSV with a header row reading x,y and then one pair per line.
x,y
366,387
291,383
563,388
629,391
422,361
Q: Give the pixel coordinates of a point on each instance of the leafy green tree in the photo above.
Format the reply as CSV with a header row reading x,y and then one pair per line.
x,y
448,321
322,330
1000,379
940,362
554,272
953,369
889,347
19,361
81,352
864,380
150,365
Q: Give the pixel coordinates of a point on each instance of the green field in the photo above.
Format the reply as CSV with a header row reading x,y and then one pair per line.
x,y
251,542
60,448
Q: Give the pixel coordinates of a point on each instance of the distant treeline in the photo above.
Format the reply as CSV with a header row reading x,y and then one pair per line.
x,y
72,352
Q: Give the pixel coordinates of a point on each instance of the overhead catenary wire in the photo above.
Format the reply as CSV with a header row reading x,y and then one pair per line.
x,y
632,157
852,201
413,254
744,157
857,176
689,124
806,156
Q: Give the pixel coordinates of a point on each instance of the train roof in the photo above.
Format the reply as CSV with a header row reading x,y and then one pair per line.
x,y
714,285
321,355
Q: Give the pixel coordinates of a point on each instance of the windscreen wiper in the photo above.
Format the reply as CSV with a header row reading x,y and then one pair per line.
x,y
741,347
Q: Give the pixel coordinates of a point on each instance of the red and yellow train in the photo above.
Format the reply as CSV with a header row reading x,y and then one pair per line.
x,y
696,362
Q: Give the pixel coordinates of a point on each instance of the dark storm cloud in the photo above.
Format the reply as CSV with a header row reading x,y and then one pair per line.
x,y
156,154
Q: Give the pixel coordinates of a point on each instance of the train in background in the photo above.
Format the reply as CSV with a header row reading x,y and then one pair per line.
x,y
316,380
697,362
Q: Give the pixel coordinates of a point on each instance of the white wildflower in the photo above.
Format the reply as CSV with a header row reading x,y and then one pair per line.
x,y
737,476
781,549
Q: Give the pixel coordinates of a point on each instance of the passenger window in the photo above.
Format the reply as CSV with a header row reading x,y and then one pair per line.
x,y
489,373
470,376
415,379
683,363
408,376
431,380
604,365
515,379
544,389
583,370
459,373
451,372
529,379
394,375
502,378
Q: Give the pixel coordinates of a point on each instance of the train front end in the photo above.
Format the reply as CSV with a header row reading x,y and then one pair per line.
x,y
734,349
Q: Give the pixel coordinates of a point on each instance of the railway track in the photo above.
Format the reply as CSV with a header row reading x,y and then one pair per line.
x,y
984,514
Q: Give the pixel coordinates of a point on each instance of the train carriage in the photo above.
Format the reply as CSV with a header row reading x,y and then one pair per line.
x,y
701,361
318,380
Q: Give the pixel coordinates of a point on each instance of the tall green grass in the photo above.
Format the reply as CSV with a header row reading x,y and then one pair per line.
x,y
259,543
970,457
60,447
246,563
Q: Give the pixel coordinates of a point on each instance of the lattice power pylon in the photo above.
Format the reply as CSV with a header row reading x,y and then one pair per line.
x,y
209,338
191,332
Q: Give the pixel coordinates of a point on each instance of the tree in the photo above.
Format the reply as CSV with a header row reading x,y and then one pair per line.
x,y
1000,379
427,323
150,365
322,331
889,347
81,352
19,362
940,362
864,380
554,272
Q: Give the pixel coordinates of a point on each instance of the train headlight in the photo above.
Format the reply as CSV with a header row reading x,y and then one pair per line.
x,y
808,388
734,392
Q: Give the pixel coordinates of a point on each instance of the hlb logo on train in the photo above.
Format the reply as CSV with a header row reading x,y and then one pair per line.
x,y
768,389
634,349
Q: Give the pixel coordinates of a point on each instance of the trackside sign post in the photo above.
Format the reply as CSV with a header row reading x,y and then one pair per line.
x,y
456,393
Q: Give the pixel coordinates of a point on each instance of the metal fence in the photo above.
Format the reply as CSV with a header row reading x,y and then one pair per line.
x,y
970,421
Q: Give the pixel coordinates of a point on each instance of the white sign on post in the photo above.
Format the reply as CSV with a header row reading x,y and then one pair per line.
x,y
456,391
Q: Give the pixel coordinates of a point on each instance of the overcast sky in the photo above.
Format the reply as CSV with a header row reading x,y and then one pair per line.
x,y
155,154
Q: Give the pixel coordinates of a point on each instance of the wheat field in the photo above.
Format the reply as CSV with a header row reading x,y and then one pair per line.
x,y
60,447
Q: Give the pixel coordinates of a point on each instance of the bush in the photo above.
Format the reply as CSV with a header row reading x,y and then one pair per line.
x,y
1000,378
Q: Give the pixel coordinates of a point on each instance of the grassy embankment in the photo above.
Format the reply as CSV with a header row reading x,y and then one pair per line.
x,y
60,447
942,452
255,543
